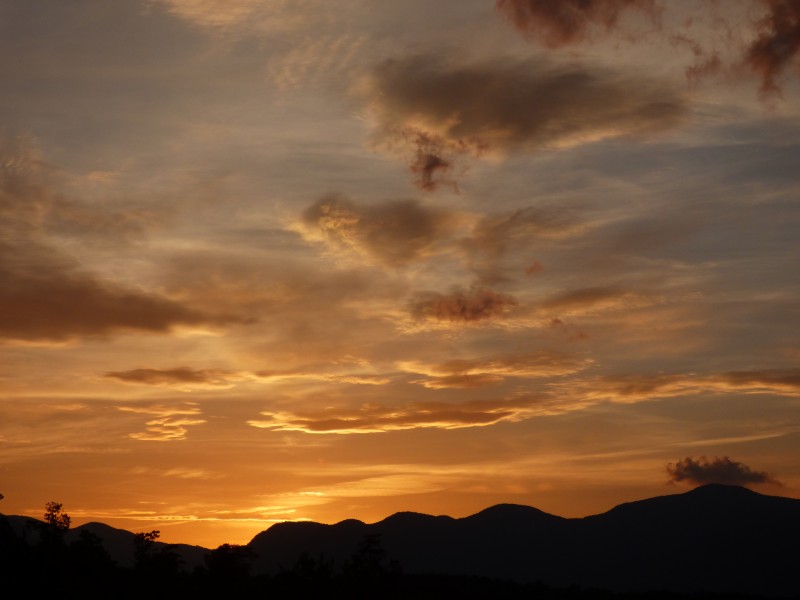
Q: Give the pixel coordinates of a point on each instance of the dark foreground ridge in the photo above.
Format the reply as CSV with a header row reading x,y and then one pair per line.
x,y
714,541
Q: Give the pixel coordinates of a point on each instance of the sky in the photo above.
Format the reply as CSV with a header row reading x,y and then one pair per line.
x,y
270,260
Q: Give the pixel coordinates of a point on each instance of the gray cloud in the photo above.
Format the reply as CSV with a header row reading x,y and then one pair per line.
x,y
44,294
718,470
393,232
495,236
438,113
43,297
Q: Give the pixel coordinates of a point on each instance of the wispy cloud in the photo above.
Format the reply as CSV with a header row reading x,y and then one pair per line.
x,y
179,377
170,424
373,418
471,373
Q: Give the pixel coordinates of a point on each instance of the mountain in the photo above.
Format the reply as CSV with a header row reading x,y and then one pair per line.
x,y
119,543
715,538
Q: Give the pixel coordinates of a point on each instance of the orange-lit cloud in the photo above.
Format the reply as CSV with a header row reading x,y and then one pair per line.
x,y
320,374
187,379
584,301
268,17
466,373
566,22
781,381
462,306
424,106
718,470
637,388
170,424
181,377
373,418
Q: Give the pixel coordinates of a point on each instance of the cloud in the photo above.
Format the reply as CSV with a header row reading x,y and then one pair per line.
x,y
430,167
718,470
462,306
170,424
777,44
554,399
47,296
588,300
271,17
642,387
494,237
466,373
320,374
180,377
373,418
423,106
32,207
566,22
785,381
187,379
393,232
398,233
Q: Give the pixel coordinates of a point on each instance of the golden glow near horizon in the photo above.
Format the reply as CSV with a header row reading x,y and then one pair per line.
x,y
267,261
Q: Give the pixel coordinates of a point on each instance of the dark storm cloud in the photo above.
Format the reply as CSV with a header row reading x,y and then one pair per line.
x,y
394,232
566,22
777,44
437,112
462,306
718,470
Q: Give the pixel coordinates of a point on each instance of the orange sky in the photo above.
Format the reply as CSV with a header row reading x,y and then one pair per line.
x,y
263,261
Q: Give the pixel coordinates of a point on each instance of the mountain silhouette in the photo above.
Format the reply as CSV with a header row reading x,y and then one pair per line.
x,y
119,543
713,539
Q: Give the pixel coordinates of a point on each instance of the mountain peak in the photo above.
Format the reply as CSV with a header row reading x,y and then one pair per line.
x,y
723,488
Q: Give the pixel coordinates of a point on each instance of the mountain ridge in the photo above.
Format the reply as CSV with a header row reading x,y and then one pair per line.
x,y
714,538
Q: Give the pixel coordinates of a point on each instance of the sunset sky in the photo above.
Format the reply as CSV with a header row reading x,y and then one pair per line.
x,y
269,260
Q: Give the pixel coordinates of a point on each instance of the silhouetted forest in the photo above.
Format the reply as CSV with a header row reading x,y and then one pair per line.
x,y
45,559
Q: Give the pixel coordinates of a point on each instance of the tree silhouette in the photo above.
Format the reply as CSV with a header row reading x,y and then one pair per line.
x,y
58,521
229,561
368,574
152,559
